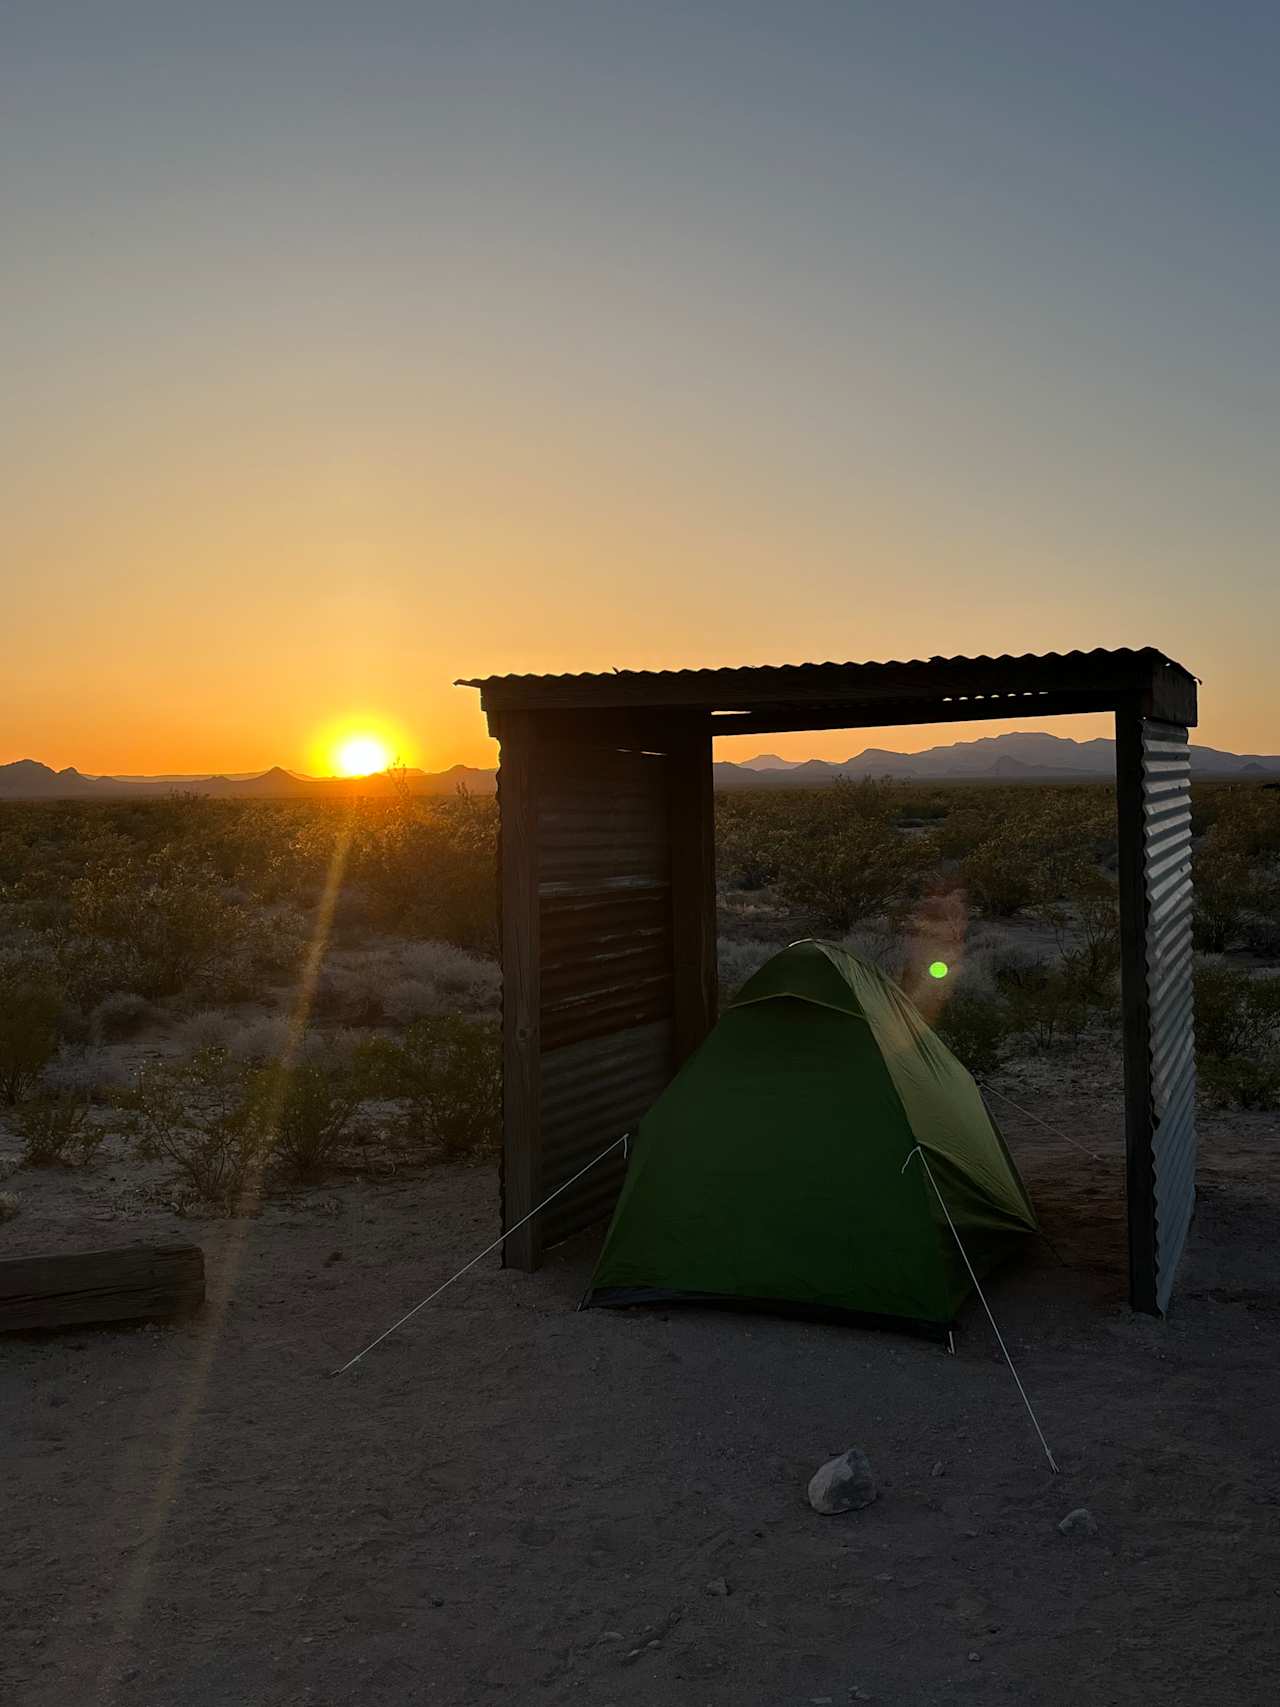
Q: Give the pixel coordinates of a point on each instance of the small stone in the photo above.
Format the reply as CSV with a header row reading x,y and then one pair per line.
x,y
718,1586
975,1656
843,1484
1081,1521
437,1600
610,1636
939,1469
333,1256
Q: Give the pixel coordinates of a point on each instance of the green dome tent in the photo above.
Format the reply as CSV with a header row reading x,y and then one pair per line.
x,y
772,1170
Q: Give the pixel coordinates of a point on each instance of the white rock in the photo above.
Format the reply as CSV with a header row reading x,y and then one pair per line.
x,y
843,1484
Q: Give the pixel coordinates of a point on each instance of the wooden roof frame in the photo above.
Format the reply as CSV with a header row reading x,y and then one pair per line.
x,y
555,733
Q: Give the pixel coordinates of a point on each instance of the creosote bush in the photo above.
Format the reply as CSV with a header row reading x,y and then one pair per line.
x,y
303,1110
844,859
29,1015
56,1131
975,1026
449,1071
198,1115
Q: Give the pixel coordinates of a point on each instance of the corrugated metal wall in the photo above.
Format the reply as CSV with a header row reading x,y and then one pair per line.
x,y
1166,806
605,930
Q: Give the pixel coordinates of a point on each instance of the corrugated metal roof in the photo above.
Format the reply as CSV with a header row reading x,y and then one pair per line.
x,y
915,687
1099,660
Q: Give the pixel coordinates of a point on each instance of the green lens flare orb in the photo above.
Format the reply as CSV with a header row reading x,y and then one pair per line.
x,y
939,969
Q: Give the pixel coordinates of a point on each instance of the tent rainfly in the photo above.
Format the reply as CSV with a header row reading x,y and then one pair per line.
x,y
773,1170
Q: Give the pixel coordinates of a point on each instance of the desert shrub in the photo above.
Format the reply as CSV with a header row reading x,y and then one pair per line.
x,y
201,1116
10,1204
449,1071
844,859
355,990
56,1131
167,925
1042,1001
93,1074
750,838
738,960
409,999
469,980
1224,894
429,867
302,1110
118,1015
259,1040
1240,1081
883,946
977,1028
29,1014
210,1028
1236,1014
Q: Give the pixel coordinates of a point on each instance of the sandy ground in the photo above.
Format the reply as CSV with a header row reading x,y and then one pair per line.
x,y
510,1501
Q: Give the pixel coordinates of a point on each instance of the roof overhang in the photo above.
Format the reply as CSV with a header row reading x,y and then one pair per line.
x,y
775,698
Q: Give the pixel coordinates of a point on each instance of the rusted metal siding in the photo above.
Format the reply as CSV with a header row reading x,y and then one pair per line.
x,y
1166,806
606,959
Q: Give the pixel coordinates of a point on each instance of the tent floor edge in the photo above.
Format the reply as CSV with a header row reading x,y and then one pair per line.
x,y
830,1315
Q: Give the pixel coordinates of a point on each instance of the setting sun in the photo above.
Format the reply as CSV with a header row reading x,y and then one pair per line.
x,y
361,755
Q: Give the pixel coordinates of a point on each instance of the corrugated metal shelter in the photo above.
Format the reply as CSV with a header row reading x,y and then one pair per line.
x,y
608,863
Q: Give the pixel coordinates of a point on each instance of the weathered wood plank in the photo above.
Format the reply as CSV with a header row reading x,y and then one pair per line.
x,y
693,891
129,1283
521,987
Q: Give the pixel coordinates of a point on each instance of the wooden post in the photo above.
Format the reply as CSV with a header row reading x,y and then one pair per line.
x,y
132,1283
693,889
1135,1007
521,1028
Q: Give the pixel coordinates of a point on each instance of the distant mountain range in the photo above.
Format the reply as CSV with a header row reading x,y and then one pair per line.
x,y
993,758
1030,757
29,780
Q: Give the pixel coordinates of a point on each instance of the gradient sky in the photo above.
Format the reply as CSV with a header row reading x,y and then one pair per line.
x,y
351,348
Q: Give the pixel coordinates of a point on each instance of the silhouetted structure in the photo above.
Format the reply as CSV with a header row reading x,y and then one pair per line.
x,y
608,898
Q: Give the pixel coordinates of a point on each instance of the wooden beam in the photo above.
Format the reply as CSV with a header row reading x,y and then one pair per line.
x,y
1139,1114
130,1283
890,715
521,1020
616,726
693,892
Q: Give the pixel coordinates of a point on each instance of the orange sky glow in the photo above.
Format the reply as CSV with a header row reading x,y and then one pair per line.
x,y
349,356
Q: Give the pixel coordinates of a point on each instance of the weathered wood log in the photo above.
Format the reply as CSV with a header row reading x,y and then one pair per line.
x,y
130,1283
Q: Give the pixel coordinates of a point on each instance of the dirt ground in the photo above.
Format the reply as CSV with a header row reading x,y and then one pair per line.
x,y
511,1501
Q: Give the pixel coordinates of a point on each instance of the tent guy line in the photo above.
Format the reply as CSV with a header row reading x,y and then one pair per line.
x,y
986,1085
924,1163
608,1150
